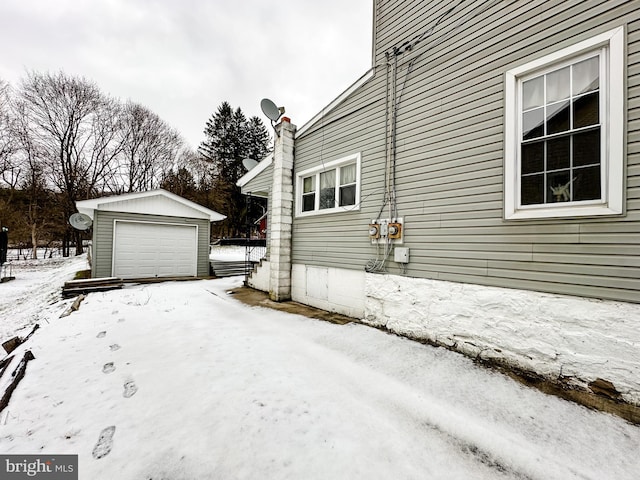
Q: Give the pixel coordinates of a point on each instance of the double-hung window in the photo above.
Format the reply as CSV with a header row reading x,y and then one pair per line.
x,y
329,188
308,194
564,132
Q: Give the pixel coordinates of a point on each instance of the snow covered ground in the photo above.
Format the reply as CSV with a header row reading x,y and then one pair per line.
x,y
179,380
34,294
235,253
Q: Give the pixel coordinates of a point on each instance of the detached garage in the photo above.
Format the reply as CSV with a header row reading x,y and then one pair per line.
x,y
149,234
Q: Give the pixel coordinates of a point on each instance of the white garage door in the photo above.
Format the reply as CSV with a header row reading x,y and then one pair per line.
x,y
142,250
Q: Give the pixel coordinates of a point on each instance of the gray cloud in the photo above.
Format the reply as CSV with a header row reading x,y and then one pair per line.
x,y
182,59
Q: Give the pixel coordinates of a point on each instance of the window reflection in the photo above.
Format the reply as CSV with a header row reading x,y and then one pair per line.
x,y
560,149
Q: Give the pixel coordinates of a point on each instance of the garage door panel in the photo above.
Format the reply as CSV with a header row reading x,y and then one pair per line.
x,y
154,250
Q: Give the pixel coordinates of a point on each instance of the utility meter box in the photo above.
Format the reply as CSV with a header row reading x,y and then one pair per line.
x,y
394,230
386,230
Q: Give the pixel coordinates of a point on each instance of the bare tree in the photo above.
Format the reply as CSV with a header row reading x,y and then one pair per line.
x,y
107,146
150,150
7,140
10,169
192,161
65,118
35,194
62,140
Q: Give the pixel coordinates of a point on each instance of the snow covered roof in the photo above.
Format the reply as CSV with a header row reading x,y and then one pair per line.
x,y
152,202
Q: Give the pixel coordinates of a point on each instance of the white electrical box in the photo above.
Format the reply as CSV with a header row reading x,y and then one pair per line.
x,y
401,255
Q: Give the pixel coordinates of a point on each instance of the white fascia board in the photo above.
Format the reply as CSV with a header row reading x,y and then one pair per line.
x,y
83,208
255,171
341,98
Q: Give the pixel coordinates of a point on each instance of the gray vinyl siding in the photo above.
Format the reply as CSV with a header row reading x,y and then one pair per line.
x,y
261,184
103,238
450,154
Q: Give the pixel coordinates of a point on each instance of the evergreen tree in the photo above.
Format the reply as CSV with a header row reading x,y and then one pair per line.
x,y
230,138
257,139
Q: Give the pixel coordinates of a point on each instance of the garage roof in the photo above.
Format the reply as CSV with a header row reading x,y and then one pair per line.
x,y
153,202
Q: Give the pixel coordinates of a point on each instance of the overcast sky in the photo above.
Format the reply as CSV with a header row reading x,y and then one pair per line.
x,y
182,58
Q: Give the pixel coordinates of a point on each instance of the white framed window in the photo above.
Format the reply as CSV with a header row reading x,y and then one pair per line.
x,y
564,132
330,188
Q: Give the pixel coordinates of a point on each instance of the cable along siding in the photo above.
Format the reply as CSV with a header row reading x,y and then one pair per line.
x,y
450,156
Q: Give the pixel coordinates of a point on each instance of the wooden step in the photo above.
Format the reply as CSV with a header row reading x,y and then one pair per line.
x,y
73,288
89,282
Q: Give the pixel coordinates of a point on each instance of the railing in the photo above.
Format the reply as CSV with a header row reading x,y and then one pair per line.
x,y
253,255
230,261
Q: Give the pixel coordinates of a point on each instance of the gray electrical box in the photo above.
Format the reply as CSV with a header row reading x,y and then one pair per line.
x,y
401,255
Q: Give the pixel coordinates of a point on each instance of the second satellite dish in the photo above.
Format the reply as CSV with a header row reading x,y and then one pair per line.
x,y
270,109
249,163
80,221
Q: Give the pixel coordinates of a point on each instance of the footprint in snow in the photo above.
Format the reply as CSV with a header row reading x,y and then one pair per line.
x,y
108,367
114,347
101,334
130,389
105,443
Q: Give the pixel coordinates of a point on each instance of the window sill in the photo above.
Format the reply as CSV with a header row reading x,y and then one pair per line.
x,y
573,211
351,208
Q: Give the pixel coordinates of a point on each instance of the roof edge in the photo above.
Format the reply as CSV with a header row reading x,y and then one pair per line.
x,y
88,206
255,171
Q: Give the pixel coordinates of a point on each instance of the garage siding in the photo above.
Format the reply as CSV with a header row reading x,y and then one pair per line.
x,y
103,238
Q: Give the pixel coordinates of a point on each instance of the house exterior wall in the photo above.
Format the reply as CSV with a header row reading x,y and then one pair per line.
x,y
559,297
103,238
260,185
450,154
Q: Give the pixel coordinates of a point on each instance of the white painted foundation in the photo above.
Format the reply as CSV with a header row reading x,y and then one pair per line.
x,y
577,340
332,289
556,336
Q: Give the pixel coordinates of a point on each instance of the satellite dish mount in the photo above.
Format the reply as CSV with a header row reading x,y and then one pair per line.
x,y
272,112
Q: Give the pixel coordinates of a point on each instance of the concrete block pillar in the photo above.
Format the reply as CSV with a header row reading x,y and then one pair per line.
x,y
281,212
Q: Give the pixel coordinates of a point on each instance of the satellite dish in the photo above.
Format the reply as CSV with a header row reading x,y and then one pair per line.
x,y
270,109
80,221
249,163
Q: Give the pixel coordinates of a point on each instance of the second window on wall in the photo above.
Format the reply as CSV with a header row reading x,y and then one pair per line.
x,y
561,131
329,188
564,132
